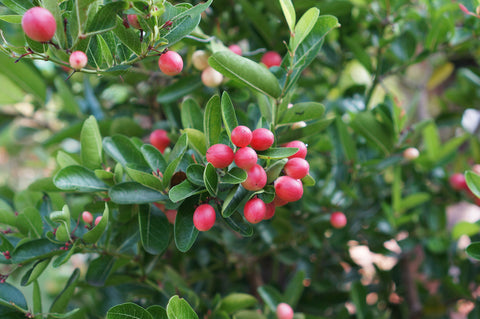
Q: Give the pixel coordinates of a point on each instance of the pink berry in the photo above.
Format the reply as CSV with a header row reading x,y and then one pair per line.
x,y
171,215
297,168
97,220
256,178
338,219
170,63
458,182
271,58
411,153
133,21
87,217
220,155
279,202
78,60
245,158
269,210
284,311
254,210
302,149
200,60
262,139
241,136
288,188
211,77
160,140
204,217
39,24
235,49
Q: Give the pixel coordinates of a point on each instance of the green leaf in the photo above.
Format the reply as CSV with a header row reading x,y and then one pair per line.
x,y
192,115
245,71
154,230
358,295
147,179
277,152
54,8
17,19
99,270
473,250
178,308
154,158
171,168
228,114
29,222
35,271
18,6
65,159
33,250
299,133
122,150
302,112
43,185
237,301
184,190
212,121
37,298
135,193
105,18
157,312
195,174
271,296
294,289
210,178
359,52
346,140
252,314
196,139
465,228
128,311
234,176
78,178
413,201
369,127
179,89
289,13
236,222
91,144
185,231
274,170
65,256
473,182
60,303
304,27
128,36
94,234
232,202
9,296
180,148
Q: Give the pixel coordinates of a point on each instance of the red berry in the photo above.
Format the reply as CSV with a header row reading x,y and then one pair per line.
x,y
284,311
288,188
133,21
39,24
204,217
271,58
297,168
78,60
97,220
262,139
235,49
245,157
220,155
241,136
170,63
256,178
87,217
254,210
302,149
338,219
211,77
458,182
171,215
270,210
160,140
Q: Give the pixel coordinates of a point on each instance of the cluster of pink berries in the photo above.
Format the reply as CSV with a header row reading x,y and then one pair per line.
x,y
88,219
288,188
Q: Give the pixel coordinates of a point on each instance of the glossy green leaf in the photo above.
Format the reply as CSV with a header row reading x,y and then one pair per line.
x,y
299,133
308,181
473,182
192,115
144,178
302,112
128,36
157,312
274,170
473,250
271,296
185,231
135,193
369,127
18,6
64,159
234,176
348,143
99,270
277,152
294,289
37,298
128,311
33,250
195,174
237,223
29,222
196,139
61,302
154,158
78,178
179,149
304,27
171,169
9,296
105,18
94,234
212,121
184,190
465,228
358,294
123,150
237,301
232,202
178,308
154,230
43,185
17,19
228,114
289,13
35,271
245,71
65,256
91,144
210,178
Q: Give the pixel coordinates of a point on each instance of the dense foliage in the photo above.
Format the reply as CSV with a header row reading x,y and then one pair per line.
x,y
382,92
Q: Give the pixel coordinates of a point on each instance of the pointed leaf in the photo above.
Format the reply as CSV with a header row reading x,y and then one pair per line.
x,y
196,139
157,312
299,133
228,114
236,222
277,152
289,13
184,190
35,271
128,311
185,231
304,27
192,115
78,178
194,174
473,250
105,18
178,308
94,234
212,120
10,295
135,193
154,158
60,303
123,150
232,202
210,178
147,179
33,250
234,176
237,301
302,112
271,296
99,270
294,289
154,230
473,182
91,144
